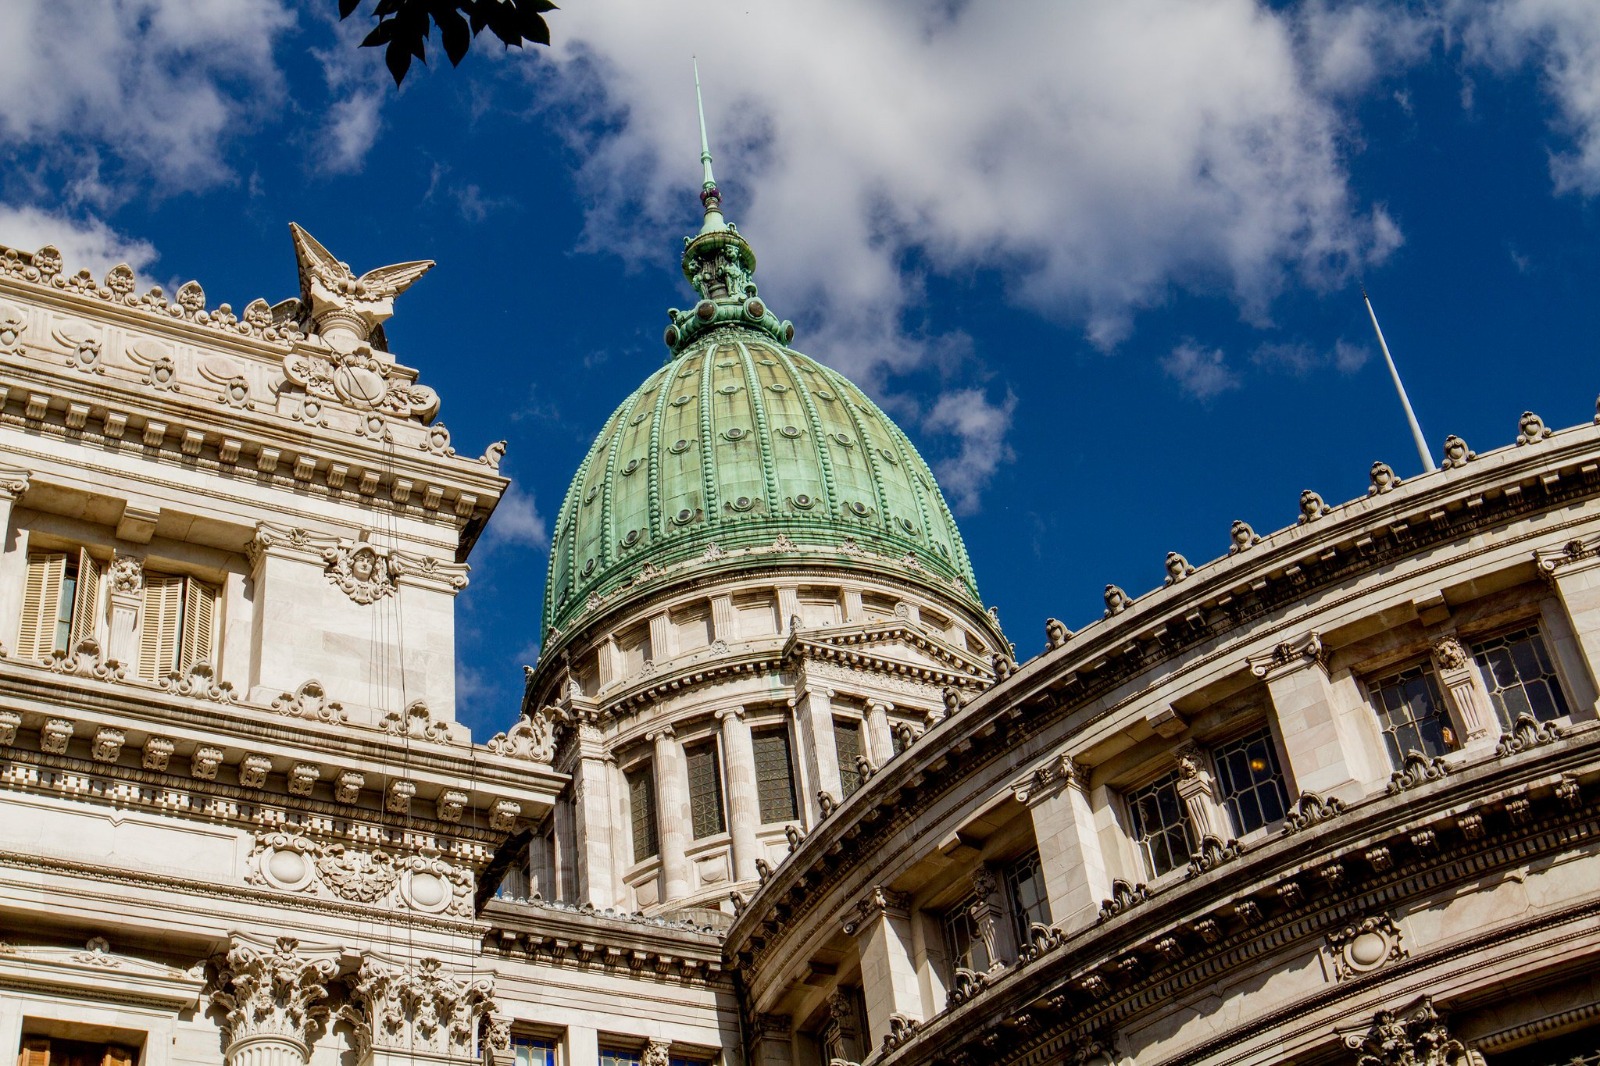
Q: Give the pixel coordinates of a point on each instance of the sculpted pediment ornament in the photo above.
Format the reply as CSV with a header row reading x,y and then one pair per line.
x,y
361,571
532,738
359,380
422,882
90,967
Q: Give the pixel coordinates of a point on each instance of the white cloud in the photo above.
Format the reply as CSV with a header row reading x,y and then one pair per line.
x,y
84,242
1203,373
1128,148
1561,38
158,85
517,521
980,426
358,87
1299,358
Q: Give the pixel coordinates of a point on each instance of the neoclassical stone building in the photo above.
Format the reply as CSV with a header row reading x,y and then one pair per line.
x,y
781,792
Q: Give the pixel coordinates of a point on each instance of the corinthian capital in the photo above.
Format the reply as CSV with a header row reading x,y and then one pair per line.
x,y
273,991
416,1009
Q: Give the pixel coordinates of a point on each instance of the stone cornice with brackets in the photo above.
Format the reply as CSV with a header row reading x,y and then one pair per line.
x,y
404,568
1301,888
130,736
577,938
247,414
1342,545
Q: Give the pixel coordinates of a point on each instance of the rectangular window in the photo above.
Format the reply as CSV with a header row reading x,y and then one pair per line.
x,y
1160,826
642,806
53,1051
1520,677
47,600
1029,904
961,939
774,775
614,1057
1411,714
705,790
847,743
177,626
533,1051
1250,782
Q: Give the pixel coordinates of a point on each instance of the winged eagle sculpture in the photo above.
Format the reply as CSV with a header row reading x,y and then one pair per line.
x,y
348,311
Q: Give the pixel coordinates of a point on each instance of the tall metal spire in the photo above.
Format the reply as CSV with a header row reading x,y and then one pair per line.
x,y
1405,401
709,196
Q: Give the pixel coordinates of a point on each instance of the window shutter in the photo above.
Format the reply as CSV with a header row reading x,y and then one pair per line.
x,y
117,1056
85,600
35,1050
199,624
41,601
159,624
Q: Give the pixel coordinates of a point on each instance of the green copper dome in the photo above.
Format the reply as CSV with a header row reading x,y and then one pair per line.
x,y
739,441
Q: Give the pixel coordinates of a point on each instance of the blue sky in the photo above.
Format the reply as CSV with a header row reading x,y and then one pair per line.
x,y
1100,260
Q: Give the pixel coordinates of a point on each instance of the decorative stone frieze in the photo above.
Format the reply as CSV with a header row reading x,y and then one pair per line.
x,y
347,788
1525,735
107,744
1416,769
417,723
126,574
1060,772
1383,479
1416,1036
1242,537
273,996
303,777
1290,653
1055,634
1456,453
55,735
253,771
310,700
10,723
1312,507
157,752
86,660
1212,852
532,739
1117,601
1311,809
360,571
200,683
1124,897
421,1009
1531,429
398,799
877,902
1551,560
1177,567
450,805
1364,946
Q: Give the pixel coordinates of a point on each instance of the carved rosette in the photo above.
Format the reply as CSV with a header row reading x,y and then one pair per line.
x,y
422,1009
272,995
1364,946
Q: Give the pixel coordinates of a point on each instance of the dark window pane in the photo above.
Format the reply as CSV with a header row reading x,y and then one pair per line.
x,y
1250,783
1411,714
642,805
1029,904
774,776
705,791
1521,678
847,742
966,947
533,1051
1160,826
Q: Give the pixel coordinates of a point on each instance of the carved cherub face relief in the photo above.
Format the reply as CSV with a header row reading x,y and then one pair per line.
x,y
363,564
360,572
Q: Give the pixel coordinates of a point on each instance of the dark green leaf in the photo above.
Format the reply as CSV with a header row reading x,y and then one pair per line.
x,y
534,28
388,7
453,31
348,8
398,60
381,34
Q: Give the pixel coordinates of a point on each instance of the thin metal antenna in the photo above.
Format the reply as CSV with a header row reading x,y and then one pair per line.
x,y
1405,401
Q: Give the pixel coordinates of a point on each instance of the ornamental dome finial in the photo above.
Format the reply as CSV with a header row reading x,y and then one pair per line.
x,y
721,266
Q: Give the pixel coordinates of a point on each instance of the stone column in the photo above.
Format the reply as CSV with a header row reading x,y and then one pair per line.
x,y
744,798
881,926
566,878
1465,696
1198,792
772,1043
672,813
1327,753
14,560
539,880
592,819
880,737
724,626
813,715
273,993
1574,573
404,1013
1076,880
841,1038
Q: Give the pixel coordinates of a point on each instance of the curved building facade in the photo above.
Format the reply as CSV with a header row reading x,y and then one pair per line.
x,y
781,793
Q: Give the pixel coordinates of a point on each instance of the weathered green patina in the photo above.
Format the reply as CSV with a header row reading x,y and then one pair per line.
x,y
740,440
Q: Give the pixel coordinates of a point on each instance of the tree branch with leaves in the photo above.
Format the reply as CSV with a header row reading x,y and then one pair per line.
x,y
405,26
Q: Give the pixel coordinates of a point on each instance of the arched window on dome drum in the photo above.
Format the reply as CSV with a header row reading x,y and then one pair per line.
x,y
642,809
705,790
1520,677
1250,782
1412,715
774,775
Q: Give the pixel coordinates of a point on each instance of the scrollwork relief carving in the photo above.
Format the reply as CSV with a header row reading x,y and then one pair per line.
x,y
274,991
532,739
423,1008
